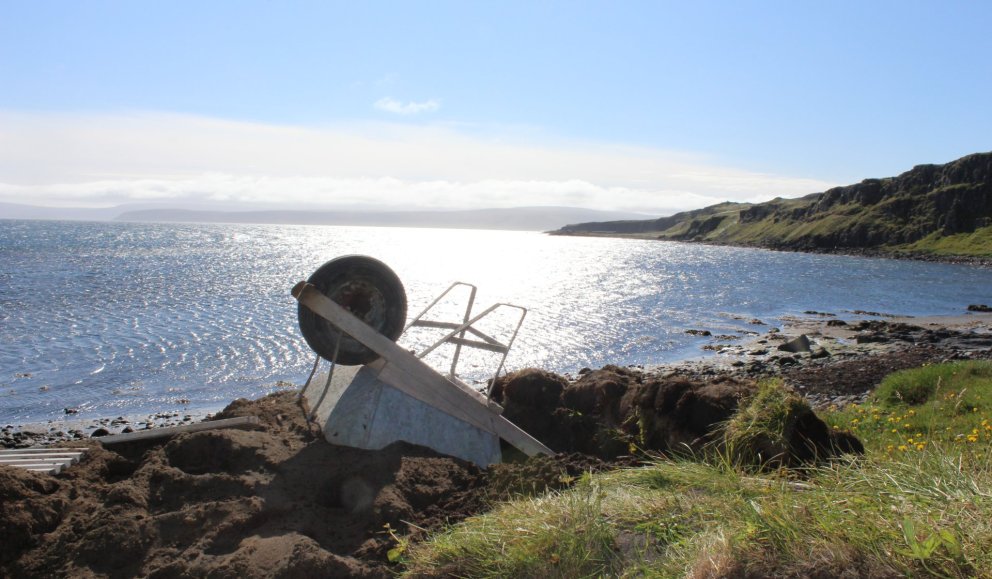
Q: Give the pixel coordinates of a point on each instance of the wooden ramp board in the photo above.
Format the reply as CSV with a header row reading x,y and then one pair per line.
x,y
49,460
162,432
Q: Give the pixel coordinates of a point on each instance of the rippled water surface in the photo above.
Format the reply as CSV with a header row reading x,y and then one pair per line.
x,y
124,318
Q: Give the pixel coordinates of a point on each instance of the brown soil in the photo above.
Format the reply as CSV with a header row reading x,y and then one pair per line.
x,y
610,411
271,502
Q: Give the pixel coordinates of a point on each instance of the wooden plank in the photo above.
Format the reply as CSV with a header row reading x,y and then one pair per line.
x,y
33,459
41,459
22,455
47,469
469,410
42,449
428,393
420,380
326,308
164,431
40,464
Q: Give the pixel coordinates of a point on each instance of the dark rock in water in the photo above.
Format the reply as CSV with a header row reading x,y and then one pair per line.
x,y
979,308
796,345
699,332
867,313
757,322
834,323
70,410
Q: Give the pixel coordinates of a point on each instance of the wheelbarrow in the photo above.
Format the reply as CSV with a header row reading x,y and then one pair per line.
x,y
351,311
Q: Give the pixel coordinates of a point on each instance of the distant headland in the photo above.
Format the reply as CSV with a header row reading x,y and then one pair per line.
x,y
511,218
938,212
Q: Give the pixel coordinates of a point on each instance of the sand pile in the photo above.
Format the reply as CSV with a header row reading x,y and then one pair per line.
x,y
273,502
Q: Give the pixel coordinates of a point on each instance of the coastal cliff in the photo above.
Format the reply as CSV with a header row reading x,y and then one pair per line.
x,y
937,211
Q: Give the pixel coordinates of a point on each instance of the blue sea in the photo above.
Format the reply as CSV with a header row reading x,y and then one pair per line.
x,y
123,319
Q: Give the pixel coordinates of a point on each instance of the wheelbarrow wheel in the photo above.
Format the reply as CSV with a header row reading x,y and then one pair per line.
x,y
370,291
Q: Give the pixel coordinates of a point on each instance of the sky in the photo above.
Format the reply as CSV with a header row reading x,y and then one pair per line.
x,y
653,107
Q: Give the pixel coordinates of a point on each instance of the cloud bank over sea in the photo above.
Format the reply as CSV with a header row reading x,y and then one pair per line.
x,y
90,160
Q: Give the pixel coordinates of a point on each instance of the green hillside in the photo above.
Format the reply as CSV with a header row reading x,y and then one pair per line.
x,y
941,211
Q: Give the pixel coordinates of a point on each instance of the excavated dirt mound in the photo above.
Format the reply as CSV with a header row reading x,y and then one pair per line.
x,y
606,412
273,502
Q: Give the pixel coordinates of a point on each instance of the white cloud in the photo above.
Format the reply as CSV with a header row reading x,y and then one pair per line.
x,y
99,160
391,105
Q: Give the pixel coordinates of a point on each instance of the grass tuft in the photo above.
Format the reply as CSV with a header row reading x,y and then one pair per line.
x,y
768,414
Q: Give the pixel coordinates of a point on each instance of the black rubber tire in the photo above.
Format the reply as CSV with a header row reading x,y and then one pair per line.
x,y
367,288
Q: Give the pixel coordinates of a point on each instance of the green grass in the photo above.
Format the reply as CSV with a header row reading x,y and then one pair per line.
x,y
945,404
767,414
920,512
977,243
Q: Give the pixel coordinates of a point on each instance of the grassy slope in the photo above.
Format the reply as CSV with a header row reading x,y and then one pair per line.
x,y
918,503
776,232
932,210
978,244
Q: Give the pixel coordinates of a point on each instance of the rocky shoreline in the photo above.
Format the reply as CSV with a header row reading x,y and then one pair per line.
x,y
874,253
59,431
839,361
